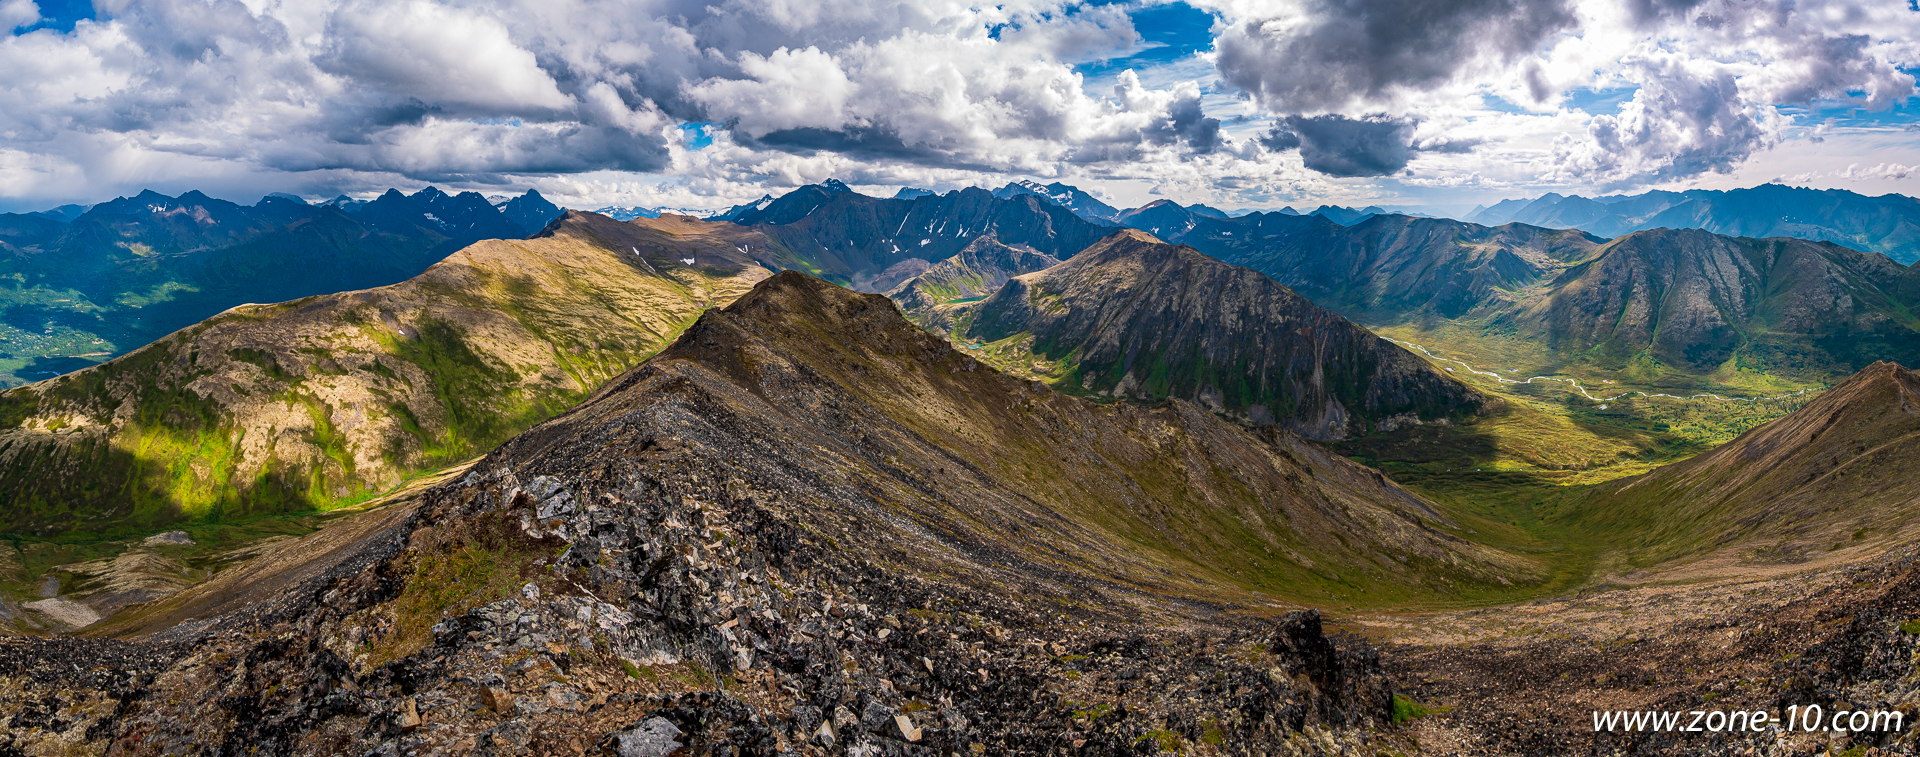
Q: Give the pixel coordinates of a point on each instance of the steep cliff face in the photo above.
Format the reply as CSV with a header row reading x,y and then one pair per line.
x,y
327,399
1692,299
1135,317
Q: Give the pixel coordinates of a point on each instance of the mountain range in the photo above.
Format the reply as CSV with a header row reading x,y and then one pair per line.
x,y
129,271
1888,224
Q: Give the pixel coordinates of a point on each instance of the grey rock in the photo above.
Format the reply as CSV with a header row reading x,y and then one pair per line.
x,y
168,539
653,737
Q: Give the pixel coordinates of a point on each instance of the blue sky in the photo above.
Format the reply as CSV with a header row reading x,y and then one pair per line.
x,y
1441,104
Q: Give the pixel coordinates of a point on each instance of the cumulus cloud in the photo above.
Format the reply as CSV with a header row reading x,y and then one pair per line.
x,y
1685,120
1339,146
17,13
437,55
358,93
1339,54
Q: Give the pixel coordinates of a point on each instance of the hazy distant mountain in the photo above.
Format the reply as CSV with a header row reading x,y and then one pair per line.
x,y
1135,317
1685,300
627,213
1888,224
128,271
874,244
1346,216
63,213
1072,198
908,193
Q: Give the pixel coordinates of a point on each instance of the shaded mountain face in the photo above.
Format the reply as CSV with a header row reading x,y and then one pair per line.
x,y
530,212
1833,473
1694,299
309,403
1889,224
1070,197
874,244
1136,317
132,270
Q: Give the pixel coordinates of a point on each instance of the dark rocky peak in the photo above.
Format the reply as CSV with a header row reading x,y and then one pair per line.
x,y
284,209
1067,196
1142,319
791,206
1164,218
737,212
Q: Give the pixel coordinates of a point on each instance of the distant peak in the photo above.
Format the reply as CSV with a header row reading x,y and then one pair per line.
x,y
835,186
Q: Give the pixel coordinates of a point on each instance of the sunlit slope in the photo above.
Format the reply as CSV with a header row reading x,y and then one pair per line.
x,y
1834,473
329,399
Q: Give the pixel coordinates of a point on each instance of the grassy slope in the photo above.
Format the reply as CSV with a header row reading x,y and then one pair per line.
x,y
328,400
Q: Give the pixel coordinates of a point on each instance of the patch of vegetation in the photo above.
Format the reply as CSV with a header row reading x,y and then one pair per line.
x,y
454,573
1406,709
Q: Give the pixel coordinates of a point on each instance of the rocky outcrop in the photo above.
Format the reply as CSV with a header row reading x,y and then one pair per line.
x,y
1135,317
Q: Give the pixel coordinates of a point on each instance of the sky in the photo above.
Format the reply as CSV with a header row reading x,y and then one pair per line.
x,y
701,104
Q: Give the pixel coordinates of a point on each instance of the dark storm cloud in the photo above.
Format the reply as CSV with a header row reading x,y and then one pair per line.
x,y
1348,51
1341,146
1187,123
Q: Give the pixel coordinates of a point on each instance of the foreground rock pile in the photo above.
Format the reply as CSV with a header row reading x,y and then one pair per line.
x,y
665,618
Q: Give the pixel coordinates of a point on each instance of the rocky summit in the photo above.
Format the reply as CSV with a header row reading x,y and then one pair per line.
x,y
797,530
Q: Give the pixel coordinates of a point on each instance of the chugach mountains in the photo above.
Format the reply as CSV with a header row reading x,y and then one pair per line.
x,y
974,472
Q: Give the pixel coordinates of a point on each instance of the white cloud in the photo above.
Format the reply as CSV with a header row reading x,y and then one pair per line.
x,y
439,56
585,96
17,13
